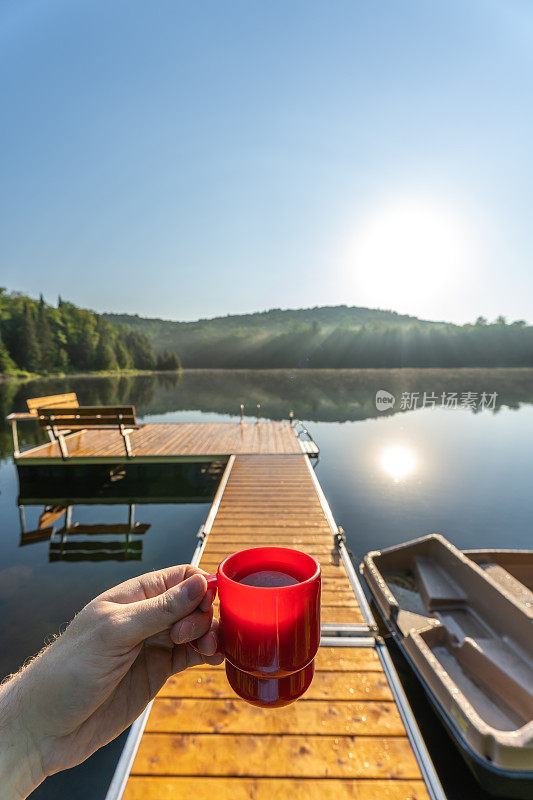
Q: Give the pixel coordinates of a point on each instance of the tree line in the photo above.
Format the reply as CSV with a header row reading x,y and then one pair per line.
x,y
481,344
39,338
337,338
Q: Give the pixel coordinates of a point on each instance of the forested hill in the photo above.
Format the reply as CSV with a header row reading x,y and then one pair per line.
x,y
40,338
336,336
36,337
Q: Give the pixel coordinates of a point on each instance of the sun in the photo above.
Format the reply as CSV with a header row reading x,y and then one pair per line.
x,y
408,255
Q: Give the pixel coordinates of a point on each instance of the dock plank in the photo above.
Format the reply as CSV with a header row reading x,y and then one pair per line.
x,y
170,788
324,686
318,717
296,755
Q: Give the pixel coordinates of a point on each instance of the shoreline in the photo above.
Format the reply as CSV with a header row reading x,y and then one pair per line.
x,y
36,376
297,370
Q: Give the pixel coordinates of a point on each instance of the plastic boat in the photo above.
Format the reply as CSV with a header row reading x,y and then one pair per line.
x,y
464,621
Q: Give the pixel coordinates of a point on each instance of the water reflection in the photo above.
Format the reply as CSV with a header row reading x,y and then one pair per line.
x,y
314,394
65,484
398,461
123,547
55,498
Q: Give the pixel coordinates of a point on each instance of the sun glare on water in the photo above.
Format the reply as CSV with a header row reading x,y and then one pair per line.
x,y
398,461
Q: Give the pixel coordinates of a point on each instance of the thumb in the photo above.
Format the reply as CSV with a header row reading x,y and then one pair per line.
x,y
148,617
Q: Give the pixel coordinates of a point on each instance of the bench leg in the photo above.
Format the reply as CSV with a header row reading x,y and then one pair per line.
x,y
14,431
127,444
62,445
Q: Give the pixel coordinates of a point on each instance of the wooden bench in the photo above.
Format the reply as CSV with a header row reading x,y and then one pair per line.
x,y
69,400
61,419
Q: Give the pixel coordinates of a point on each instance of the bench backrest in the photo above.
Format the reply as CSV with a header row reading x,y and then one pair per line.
x,y
87,417
53,400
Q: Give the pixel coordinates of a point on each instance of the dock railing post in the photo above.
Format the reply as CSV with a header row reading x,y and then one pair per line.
x,y
291,417
242,413
258,412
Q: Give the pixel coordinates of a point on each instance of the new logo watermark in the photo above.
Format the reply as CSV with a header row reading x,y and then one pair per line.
x,y
384,400
409,401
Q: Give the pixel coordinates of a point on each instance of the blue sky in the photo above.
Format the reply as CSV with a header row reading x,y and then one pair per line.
x,y
191,159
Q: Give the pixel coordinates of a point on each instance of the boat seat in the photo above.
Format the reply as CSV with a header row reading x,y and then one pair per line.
x,y
502,653
436,588
502,670
409,621
509,583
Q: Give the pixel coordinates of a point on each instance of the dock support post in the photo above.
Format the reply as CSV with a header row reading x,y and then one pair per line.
x,y
258,412
242,413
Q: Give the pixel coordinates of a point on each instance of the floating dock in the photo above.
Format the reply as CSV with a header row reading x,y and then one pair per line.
x,y
157,442
352,735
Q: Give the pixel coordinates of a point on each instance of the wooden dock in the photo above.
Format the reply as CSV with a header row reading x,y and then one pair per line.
x,y
173,441
352,735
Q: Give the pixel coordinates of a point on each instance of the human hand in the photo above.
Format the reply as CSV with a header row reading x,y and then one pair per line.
x,y
98,676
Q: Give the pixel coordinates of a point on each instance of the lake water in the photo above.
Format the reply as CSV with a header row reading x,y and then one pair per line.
x,y
388,475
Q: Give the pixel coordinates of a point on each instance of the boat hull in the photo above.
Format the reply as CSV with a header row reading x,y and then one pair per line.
x,y
463,622
498,782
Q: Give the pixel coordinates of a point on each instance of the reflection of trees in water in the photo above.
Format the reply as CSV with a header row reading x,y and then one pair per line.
x,y
332,395
319,395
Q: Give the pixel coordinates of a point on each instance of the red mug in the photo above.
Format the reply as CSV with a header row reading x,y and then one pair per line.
x,y
269,622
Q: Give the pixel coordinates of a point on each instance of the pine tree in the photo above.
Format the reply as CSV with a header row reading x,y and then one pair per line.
x,y
124,359
168,361
7,365
104,357
62,360
141,350
28,353
46,339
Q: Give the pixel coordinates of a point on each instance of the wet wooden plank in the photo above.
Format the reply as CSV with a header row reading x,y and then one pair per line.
x,y
317,717
332,659
338,615
325,685
170,788
296,755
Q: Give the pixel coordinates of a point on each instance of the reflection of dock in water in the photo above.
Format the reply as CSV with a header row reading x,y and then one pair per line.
x,y
130,485
121,483
63,548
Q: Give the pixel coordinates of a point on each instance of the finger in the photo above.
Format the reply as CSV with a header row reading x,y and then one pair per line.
x,y
207,602
208,644
184,656
215,660
191,627
159,613
151,584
